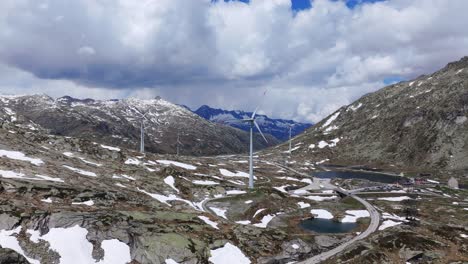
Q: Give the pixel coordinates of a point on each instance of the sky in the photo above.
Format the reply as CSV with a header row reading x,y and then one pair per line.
x,y
312,56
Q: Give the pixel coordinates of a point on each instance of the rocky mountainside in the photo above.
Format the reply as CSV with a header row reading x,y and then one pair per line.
x,y
420,123
278,128
117,122
71,200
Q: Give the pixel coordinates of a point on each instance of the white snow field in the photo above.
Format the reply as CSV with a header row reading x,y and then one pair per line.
x,y
228,173
16,155
164,199
228,254
200,182
303,205
177,164
169,180
265,220
388,223
80,171
7,240
16,175
71,244
319,198
123,176
219,212
209,222
353,215
110,148
88,203
321,213
394,199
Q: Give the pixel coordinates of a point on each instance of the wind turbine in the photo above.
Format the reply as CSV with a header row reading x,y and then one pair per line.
x,y
142,132
290,136
252,123
178,143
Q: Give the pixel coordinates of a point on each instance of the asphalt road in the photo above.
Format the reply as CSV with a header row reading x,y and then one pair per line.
x,y
374,223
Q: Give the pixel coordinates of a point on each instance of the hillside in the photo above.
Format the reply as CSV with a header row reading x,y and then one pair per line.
x,y
279,128
420,124
117,122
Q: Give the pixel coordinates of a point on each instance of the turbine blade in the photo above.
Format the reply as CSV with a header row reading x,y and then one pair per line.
x,y
255,112
259,130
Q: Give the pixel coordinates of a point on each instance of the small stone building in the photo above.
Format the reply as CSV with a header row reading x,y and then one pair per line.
x,y
452,183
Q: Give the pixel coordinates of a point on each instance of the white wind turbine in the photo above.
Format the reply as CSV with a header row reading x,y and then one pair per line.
x,y
290,137
142,132
252,123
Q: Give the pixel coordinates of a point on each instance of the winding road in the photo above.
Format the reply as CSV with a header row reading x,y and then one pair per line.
x,y
374,215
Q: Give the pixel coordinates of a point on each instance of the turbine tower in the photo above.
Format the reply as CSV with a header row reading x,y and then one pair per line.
x,y
178,143
142,137
290,138
142,132
252,123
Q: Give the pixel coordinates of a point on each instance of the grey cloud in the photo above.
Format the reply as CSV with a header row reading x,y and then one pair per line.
x,y
226,53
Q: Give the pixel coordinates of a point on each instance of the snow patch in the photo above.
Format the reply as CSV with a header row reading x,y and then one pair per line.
x,y
169,180
235,192
48,200
7,240
352,215
394,199
110,148
219,212
331,119
208,222
228,254
388,223
318,198
177,164
321,213
199,182
132,161
228,173
265,220
88,203
16,155
123,176
82,172
354,108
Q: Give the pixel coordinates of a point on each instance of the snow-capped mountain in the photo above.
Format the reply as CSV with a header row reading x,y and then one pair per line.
x,y
118,122
278,128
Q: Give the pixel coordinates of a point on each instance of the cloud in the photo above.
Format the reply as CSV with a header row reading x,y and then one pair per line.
x,y
226,53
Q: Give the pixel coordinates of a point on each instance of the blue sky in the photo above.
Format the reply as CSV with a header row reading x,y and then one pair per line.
x,y
298,5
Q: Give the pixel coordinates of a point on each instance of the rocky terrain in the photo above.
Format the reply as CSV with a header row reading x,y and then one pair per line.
x,y
419,124
117,122
72,200
279,128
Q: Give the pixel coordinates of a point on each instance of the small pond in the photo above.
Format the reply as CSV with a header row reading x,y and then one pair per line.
x,y
320,225
375,177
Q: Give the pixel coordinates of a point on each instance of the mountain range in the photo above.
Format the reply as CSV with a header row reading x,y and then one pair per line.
x,y
279,128
117,122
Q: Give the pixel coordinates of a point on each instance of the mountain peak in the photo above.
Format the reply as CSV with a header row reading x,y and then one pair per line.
x,y
278,128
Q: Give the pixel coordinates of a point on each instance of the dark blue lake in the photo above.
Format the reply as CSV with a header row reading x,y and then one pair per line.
x,y
320,225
